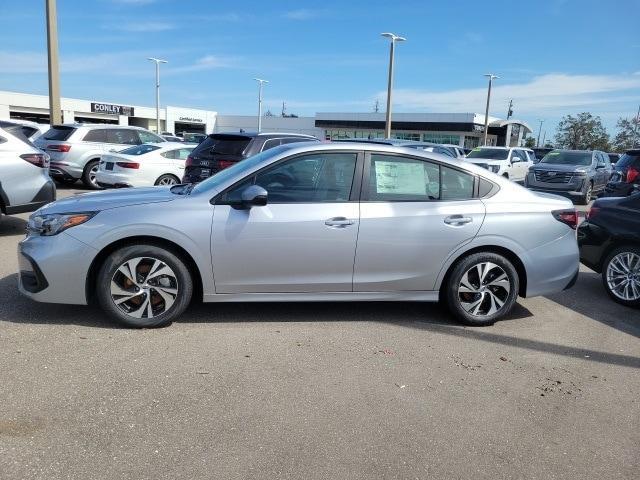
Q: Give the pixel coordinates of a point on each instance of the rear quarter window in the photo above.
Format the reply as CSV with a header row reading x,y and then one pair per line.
x,y
98,135
58,133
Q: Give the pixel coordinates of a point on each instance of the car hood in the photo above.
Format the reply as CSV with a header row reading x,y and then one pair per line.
x,y
122,197
546,167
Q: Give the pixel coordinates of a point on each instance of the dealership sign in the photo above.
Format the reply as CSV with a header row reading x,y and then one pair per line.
x,y
111,109
190,119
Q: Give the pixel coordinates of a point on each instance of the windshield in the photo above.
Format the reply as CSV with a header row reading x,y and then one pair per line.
x,y
489,153
215,181
139,149
224,144
58,133
567,158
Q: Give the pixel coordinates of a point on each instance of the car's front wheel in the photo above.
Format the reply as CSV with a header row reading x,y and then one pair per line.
x,y
585,198
621,275
482,288
144,286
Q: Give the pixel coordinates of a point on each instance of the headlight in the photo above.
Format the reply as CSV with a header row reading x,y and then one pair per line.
x,y
54,223
494,168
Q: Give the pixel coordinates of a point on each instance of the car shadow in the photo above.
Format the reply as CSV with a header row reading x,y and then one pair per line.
x,y
10,226
589,298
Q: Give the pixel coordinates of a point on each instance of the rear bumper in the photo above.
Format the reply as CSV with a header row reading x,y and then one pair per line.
x,y
65,170
109,179
46,194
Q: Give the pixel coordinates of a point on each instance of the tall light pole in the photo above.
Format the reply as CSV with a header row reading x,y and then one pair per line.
x,y
157,61
539,130
261,82
55,117
491,77
394,38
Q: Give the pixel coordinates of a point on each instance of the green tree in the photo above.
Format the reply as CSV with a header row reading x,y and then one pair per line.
x,y
529,142
582,132
628,134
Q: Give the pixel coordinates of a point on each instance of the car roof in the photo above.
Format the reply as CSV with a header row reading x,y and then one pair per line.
x,y
264,134
99,125
496,147
386,141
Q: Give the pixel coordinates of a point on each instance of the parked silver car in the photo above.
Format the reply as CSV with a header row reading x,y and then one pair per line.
x,y
25,185
306,222
76,149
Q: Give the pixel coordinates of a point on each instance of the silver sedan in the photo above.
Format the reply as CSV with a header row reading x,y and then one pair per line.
x,y
306,222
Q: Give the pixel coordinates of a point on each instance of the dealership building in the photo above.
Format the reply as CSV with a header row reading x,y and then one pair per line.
x,y
464,129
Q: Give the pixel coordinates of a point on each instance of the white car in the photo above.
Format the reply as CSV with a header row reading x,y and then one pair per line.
x,y
509,162
31,130
457,148
144,165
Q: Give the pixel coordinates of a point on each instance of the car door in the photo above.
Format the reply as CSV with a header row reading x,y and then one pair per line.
x,y
517,163
414,214
303,240
603,170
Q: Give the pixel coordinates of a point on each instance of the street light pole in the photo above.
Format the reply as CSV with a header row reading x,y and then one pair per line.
x,y
539,130
157,61
491,77
55,117
394,38
261,82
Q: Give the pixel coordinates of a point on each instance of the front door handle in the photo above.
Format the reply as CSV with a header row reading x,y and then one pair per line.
x,y
457,220
340,222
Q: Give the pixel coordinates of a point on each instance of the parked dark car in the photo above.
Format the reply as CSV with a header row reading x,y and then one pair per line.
x,y
609,241
540,152
613,158
221,150
577,174
625,179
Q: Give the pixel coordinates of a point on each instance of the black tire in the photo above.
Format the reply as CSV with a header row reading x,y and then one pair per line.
x,y
151,298
88,176
165,179
585,198
635,275
66,182
488,295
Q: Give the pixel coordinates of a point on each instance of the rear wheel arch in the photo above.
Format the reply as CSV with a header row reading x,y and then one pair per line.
x,y
613,245
505,252
94,269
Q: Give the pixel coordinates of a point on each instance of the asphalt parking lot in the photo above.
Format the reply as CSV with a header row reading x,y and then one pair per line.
x,y
326,391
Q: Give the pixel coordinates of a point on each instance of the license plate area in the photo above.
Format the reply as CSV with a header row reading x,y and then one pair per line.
x,y
108,166
205,172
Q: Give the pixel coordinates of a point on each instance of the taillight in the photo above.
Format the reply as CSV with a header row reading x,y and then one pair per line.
x,y
128,165
59,148
593,211
189,161
37,159
222,164
632,174
568,217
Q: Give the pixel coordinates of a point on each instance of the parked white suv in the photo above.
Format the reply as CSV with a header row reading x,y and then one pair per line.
x,y
509,162
76,149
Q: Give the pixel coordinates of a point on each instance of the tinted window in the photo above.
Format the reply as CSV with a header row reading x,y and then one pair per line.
x,y
296,140
148,137
567,158
628,159
58,133
489,153
139,149
99,135
182,153
272,142
223,144
169,154
315,178
122,136
455,184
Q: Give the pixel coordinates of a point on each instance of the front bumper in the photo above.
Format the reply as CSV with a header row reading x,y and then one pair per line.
x,y
54,269
46,194
574,188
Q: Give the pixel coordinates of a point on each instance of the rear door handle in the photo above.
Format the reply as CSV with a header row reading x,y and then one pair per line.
x,y
340,222
457,220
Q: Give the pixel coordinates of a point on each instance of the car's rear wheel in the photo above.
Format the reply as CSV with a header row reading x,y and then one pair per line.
x,y
144,286
482,288
90,173
167,180
621,275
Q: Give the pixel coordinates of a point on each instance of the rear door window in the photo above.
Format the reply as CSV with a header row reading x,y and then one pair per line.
x,y
98,135
123,136
60,133
272,142
223,144
148,137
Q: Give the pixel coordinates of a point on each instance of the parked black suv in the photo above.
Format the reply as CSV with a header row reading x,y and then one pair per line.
x,y
221,150
626,176
576,174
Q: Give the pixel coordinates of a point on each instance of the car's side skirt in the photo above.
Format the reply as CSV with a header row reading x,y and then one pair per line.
x,y
410,296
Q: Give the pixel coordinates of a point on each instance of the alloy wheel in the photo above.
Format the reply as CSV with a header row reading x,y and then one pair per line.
x,y
484,289
623,276
93,174
167,181
587,196
144,287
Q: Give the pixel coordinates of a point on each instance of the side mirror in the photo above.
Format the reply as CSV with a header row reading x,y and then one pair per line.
x,y
254,196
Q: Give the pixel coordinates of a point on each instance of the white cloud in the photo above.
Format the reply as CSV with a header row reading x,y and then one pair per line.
x,y
301,14
139,27
134,2
554,92
27,62
208,62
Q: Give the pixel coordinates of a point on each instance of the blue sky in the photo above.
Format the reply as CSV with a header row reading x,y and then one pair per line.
x,y
554,57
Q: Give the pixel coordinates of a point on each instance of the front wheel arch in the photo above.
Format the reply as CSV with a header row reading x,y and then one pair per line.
x,y
92,275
